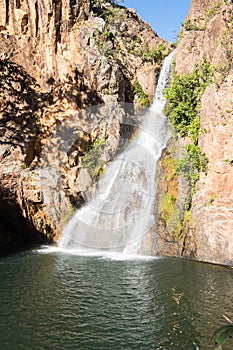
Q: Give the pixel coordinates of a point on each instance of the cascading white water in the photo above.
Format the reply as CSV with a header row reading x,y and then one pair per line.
x,y
121,211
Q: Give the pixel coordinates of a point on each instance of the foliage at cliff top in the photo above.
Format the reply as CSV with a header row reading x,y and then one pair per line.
x,y
112,2
114,41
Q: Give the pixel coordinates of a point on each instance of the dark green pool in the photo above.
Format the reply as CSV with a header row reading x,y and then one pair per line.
x,y
61,301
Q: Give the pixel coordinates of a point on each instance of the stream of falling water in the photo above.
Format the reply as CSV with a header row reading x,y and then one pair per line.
x,y
120,214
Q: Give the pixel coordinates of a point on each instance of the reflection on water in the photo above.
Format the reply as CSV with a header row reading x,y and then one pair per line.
x,y
58,301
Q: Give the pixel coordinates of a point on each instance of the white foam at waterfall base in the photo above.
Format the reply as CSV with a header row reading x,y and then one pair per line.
x,y
105,255
120,214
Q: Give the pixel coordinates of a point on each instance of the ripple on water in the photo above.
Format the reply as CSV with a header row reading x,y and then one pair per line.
x,y
54,300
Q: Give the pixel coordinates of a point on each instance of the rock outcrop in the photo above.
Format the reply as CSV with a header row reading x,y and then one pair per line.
x,y
207,33
101,47
58,60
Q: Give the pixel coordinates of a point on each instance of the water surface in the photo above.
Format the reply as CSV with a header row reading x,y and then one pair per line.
x,y
62,301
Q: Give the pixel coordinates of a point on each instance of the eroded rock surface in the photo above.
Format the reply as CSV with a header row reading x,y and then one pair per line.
x,y
208,227
58,59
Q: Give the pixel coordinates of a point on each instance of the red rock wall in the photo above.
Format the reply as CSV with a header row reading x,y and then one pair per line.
x,y
210,235
58,57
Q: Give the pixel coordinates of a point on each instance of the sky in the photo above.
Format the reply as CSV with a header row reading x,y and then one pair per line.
x,y
164,16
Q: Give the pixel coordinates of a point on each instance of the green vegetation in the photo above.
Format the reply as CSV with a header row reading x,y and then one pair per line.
x,y
170,213
184,96
213,10
111,15
169,164
109,45
167,205
192,163
226,332
229,161
188,220
92,159
188,216
67,214
142,96
135,45
112,2
189,25
226,42
211,199
105,39
223,69
153,55
105,42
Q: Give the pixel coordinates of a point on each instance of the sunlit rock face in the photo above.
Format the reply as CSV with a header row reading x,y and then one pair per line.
x,y
209,233
58,59
85,40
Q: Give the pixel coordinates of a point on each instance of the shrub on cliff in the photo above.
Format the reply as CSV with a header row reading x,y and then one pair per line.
x,y
183,108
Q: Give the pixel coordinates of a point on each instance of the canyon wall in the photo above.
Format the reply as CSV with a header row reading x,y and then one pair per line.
x,y
59,59
212,222
205,230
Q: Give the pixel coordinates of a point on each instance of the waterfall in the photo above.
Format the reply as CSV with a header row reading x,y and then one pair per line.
x,y
120,214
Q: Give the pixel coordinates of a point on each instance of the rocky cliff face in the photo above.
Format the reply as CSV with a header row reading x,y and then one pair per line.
x,y
88,42
206,230
58,59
